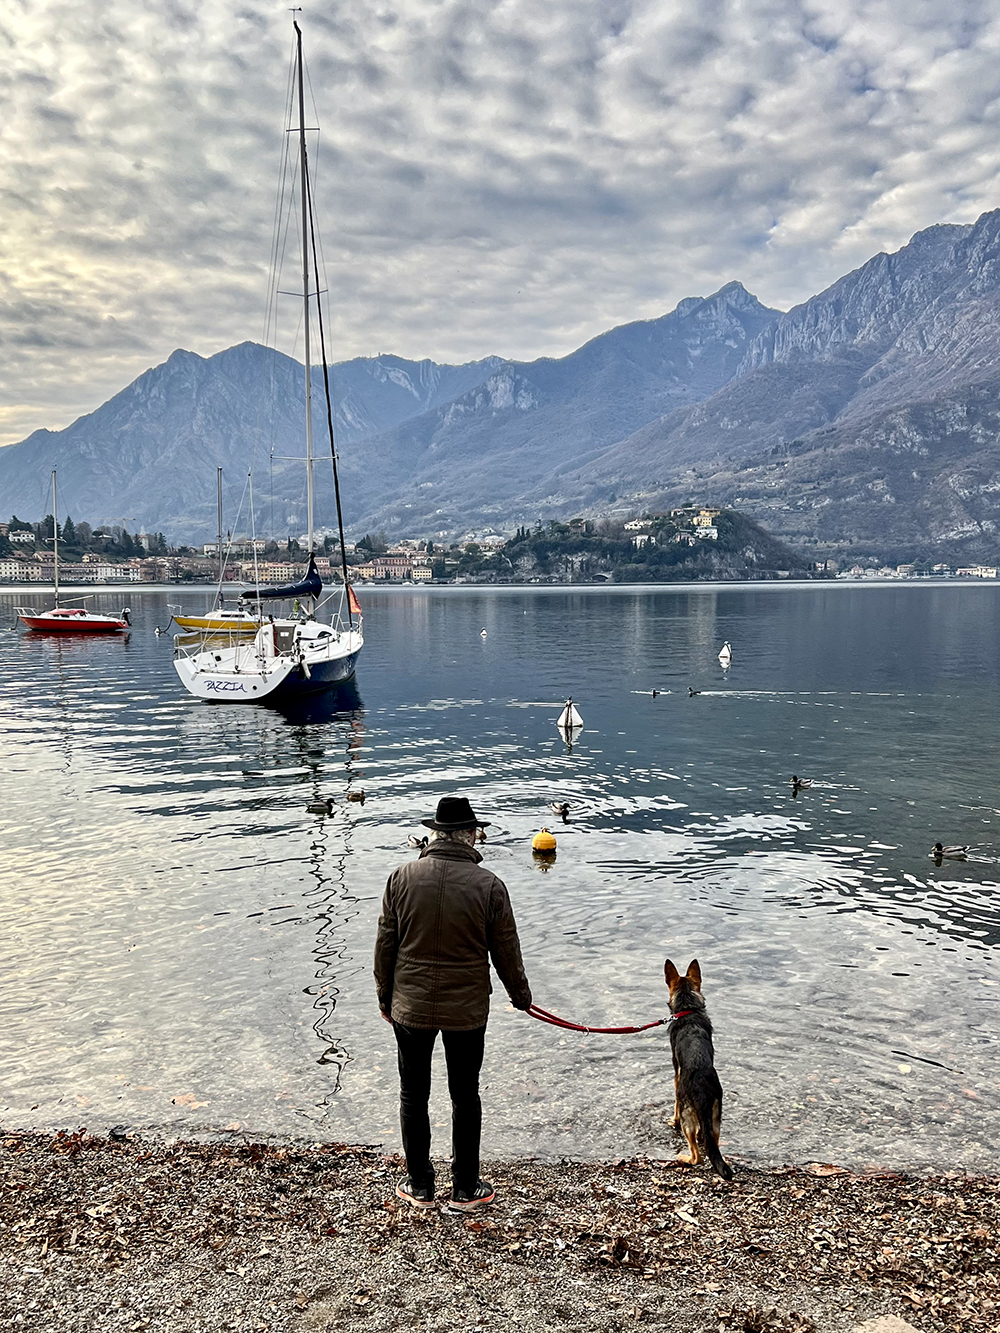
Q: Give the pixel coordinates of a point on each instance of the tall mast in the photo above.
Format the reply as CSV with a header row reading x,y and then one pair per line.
x,y
328,394
55,532
303,173
219,506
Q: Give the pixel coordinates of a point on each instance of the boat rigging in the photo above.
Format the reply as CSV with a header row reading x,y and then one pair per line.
x,y
294,654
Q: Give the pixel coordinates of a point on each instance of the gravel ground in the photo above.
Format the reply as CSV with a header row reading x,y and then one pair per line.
x,y
103,1236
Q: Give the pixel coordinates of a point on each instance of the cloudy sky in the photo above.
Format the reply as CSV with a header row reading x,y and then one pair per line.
x,y
495,176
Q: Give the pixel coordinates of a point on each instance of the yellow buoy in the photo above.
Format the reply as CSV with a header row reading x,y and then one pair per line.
x,y
543,842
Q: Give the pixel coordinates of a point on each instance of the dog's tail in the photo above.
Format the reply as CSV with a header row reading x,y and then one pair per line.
x,y
710,1114
719,1164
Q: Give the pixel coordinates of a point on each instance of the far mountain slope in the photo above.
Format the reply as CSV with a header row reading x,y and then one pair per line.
x,y
422,445
866,415
464,462
149,454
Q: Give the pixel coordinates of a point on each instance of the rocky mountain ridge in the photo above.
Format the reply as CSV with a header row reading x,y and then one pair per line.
x,y
866,417
446,438
862,417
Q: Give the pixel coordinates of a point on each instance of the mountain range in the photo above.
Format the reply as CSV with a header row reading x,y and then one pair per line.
x,y
864,421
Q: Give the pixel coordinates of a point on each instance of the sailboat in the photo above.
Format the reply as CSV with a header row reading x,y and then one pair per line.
x,y
68,619
222,619
295,654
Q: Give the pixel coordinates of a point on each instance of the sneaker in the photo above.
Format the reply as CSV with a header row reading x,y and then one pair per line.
x,y
461,1202
421,1196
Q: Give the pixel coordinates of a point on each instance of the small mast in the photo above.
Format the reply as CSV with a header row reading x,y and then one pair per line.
x,y
219,506
55,534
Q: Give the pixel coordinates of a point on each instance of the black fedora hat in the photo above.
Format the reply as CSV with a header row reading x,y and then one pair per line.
x,y
454,813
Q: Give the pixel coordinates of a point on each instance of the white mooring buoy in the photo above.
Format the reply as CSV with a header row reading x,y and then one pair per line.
x,y
569,718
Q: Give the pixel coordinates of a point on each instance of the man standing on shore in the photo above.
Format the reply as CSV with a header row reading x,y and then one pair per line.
x,y
444,917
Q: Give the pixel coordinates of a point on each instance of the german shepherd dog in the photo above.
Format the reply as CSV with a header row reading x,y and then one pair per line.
x,y
697,1090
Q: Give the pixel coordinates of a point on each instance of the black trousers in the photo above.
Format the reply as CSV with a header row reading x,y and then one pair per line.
x,y
463,1053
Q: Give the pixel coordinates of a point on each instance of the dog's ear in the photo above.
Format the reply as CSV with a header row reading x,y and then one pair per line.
x,y
670,972
694,974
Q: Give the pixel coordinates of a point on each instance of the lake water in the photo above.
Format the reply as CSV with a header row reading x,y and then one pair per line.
x,y
185,949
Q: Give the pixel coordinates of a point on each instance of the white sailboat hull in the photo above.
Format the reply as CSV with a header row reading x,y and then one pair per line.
x,y
253,672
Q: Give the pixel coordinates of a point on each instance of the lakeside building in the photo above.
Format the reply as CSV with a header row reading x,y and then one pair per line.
x,y
15,570
271,571
21,570
393,566
389,567
108,573
37,567
73,573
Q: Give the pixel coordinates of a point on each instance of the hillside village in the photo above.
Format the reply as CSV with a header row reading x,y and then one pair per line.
x,y
686,543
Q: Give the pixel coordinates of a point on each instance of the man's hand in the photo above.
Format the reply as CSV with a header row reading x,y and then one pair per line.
x,y
387,1018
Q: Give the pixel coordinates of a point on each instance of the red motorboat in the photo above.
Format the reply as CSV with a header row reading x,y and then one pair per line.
x,y
72,620
68,619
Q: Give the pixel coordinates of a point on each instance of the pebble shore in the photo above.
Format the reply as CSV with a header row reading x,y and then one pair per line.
x,y
103,1236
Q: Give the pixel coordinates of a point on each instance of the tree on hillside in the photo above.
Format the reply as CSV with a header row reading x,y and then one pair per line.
x,y
377,545
127,545
68,533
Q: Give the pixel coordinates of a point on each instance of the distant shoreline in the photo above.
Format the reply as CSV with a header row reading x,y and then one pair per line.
x,y
79,591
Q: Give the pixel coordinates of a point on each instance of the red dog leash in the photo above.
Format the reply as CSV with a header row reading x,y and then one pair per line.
x,y
544,1016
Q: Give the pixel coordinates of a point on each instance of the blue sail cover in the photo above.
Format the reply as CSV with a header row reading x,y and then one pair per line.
x,y
311,586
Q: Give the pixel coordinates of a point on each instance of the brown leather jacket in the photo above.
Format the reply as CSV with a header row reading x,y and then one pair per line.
x,y
443,919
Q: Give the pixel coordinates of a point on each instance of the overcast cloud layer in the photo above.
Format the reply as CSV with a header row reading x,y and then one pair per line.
x,y
508,177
